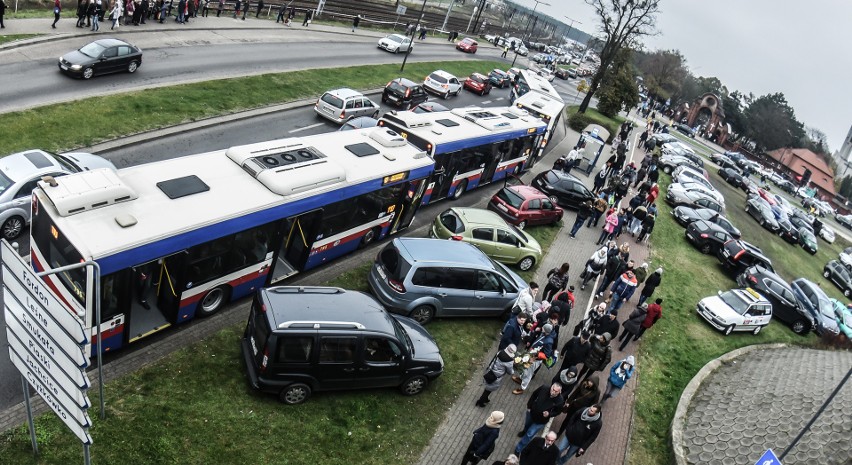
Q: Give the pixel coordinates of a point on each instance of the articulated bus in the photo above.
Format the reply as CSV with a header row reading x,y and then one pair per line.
x,y
179,238
471,146
548,108
528,81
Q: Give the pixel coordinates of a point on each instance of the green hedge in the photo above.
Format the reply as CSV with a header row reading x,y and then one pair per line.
x,y
579,121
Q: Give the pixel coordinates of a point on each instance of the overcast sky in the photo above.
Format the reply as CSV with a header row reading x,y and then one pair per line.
x,y
758,46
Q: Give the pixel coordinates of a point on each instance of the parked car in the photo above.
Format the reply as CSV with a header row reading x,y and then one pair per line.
x,y
737,255
731,177
525,206
687,215
485,229
785,307
429,107
680,194
442,83
686,129
846,258
562,73
788,231
827,234
341,105
428,278
808,241
499,78
361,122
843,317
783,204
690,186
736,310
812,299
20,173
396,43
101,57
839,275
478,83
677,148
689,174
467,45
706,236
661,138
758,209
404,93
564,189
670,161
787,186
801,222
844,220
301,340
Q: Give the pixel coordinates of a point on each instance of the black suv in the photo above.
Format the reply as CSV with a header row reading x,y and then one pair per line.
x,y
304,339
785,307
737,255
404,93
706,236
562,188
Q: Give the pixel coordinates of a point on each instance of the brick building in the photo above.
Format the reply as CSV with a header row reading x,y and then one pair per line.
x,y
796,161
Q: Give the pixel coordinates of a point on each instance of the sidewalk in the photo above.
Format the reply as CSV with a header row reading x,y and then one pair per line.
x,y
450,442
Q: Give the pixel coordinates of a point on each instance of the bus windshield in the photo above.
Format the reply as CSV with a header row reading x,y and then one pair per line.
x,y
57,251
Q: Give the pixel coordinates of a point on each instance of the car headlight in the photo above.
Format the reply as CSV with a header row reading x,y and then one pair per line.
x,y
75,67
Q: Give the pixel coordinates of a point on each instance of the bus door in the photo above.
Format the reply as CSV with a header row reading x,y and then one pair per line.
x,y
154,297
299,233
491,162
444,173
409,204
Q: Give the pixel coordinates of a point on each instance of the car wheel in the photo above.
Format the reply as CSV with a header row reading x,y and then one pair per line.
x,y
728,329
369,237
667,169
757,330
423,314
554,199
826,274
88,73
799,327
522,224
414,385
446,96
132,67
213,301
762,222
526,264
705,249
295,393
460,190
13,227
396,50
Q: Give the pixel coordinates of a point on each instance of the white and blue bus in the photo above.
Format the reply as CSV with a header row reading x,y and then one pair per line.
x,y
548,109
471,146
527,80
179,238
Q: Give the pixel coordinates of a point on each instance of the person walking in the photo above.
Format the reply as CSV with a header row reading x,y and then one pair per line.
x,y
484,439
95,11
423,31
655,312
541,451
82,6
567,378
512,459
582,430
513,331
181,13
600,205
584,211
308,15
282,14
608,228
632,324
526,299
619,374
615,267
606,324
505,51
259,9
594,266
622,291
115,14
600,355
246,6
600,181
574,351
563,303
165,6
544,347
586,395
355,22
557,280
651,284
543,404
57,9
502,365
237,5
647,225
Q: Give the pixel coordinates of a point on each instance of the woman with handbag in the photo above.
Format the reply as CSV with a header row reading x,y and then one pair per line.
x,y
501,365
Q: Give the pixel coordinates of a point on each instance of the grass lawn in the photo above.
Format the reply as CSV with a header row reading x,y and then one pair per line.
x,y
56,128
4,39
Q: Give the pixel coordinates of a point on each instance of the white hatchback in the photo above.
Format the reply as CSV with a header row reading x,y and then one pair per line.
x,y
736,310
442,83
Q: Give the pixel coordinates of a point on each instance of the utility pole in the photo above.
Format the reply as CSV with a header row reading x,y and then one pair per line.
x,y
537,2
413,31
444,26
571,25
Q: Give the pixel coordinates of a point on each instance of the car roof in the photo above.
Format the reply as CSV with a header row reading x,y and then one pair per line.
x,y
708,225
405,82
396,35
437,250
28,163
563,175
111,42
527,192
443,74
344,92
468,39
750,296
478,217
478,75
309,305
498,71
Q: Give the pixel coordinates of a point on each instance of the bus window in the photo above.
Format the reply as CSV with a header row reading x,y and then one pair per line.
x,y
208,260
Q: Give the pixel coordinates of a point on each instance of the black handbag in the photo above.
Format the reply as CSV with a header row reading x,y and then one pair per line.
x,y
489,376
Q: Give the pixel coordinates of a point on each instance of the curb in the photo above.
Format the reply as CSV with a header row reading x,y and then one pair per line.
x,y
689,392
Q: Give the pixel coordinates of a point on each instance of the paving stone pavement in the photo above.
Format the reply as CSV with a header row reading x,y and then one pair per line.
x,y
762,400
453,435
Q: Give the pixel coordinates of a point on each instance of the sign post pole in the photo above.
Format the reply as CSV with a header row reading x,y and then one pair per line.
x,y
29,414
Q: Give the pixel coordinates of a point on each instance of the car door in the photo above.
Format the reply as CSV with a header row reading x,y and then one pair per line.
x,y
784,302
757,315
123,58
532,211
369,107
336,365
350,109
379,363
489,297
23,198
483,238
549,212
507,246
456,291
455,85
418,95
108,61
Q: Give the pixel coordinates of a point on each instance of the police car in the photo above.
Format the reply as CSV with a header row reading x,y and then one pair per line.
x,y
736,310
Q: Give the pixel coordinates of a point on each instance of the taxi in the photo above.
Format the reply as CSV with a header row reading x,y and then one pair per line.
x,y
736,310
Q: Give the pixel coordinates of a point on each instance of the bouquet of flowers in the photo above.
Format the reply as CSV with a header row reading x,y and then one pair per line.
x,y
525,358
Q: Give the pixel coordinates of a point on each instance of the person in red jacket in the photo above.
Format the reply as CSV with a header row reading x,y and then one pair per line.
x,y
652,194
655,312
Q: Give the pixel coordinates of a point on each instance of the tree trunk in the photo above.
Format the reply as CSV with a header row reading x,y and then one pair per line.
x,y
593,86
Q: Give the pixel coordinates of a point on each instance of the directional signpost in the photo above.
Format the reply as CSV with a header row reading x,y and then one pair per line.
x,y
48,344
768,458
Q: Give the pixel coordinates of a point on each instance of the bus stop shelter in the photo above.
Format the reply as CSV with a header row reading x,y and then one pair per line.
x,y
594,139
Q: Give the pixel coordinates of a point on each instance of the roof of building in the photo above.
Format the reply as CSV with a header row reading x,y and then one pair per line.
x,y
798,159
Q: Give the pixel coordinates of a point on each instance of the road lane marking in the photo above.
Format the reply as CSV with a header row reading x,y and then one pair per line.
x,y
306,128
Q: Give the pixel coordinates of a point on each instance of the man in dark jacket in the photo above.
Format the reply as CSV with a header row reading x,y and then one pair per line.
x,y
574,351
586,395
615,266
607,324
541,451
600,354
585,211
544,403
512,331
582,430
651,285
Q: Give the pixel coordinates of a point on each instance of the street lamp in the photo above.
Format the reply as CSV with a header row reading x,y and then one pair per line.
x,y
449,9
533,14
571,25
405,58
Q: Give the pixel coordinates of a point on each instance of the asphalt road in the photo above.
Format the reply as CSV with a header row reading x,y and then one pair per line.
x,y
167,66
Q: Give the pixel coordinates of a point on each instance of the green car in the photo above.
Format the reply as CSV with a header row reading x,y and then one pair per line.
x,y
843,315
808,241
493,235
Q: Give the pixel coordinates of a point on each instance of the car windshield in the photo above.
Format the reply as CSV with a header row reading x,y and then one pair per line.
x,y
735,302
551,177
402,335
394,38
5,182
501,269
93,50
510,197
522,235
66,163
825,306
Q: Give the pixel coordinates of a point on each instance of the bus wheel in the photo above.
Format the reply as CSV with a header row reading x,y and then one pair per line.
x,y
213,301
13,227
460,190
369,237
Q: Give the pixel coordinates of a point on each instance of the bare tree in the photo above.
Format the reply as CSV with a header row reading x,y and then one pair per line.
x,y
623,22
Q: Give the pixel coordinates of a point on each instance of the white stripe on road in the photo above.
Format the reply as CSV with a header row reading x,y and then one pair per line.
x,y
306,128
486,102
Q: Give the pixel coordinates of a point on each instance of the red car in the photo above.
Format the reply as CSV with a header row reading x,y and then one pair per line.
x,y
766,196
478,83
467,45
524,205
